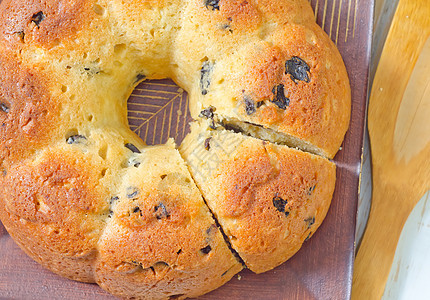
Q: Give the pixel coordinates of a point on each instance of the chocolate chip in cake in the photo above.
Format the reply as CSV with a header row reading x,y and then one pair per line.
x,y
75,139
132,192
227,27
21,35
207,113
210,232
132,148
4,107
212,125
213,228
37,18
91,71
260,104
205,76
311,189
134,262
279,97
207,143
279,203
310,221
134,161
206,249
298,69
112,200
161,211
179,251
212,4
137,210
249,106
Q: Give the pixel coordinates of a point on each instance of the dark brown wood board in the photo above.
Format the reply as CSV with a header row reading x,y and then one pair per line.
x,y
322,269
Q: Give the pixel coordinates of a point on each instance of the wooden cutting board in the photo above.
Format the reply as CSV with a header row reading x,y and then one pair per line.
x,y
322,269
399,129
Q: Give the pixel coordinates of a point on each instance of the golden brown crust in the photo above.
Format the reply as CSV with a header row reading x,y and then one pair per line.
x,y
249,72
42,23
264,236
27,117
269,199
318,110
68,159
286,11
22,232
233,16
161,240
54,208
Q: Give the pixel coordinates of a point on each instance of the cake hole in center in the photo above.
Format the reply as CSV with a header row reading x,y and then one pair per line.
x,y
158,110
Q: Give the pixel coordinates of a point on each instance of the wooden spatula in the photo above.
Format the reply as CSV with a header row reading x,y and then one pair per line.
x,y
399,129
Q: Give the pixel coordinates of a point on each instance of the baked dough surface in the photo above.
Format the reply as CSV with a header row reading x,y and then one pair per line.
x,y
85,197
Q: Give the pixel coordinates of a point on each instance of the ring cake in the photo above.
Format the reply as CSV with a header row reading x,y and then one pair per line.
x,y
85,197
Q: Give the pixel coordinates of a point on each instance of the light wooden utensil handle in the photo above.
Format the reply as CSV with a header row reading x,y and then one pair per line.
x,y
390,210
399,130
